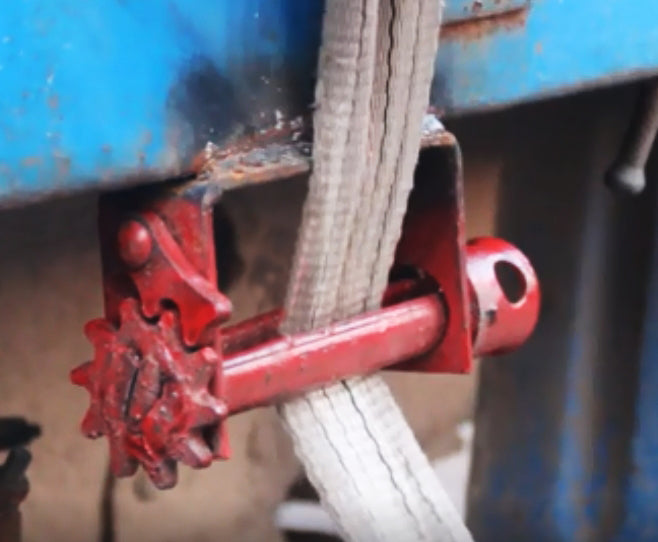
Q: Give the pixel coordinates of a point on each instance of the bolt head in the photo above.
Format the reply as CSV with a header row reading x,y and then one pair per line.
x,y
135,243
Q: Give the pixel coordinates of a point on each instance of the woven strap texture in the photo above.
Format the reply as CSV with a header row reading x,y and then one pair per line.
x,y
374,76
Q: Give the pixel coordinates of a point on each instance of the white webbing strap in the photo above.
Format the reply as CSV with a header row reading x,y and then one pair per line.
x,y
375,70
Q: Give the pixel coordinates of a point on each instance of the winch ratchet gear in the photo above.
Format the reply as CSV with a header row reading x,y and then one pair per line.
x,y
154,399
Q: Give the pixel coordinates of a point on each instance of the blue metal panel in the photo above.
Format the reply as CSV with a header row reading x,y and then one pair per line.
x,y
641,493
95,91
552,47
105,92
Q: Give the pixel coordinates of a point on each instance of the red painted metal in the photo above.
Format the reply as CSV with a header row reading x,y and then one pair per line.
x,y
153,383
286,366
433,239
174,226
500,324
251,332
262,372
159,402
167,275
165,374
151,396
135,244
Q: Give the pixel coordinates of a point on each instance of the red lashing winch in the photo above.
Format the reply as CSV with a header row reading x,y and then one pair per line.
x,y
166,374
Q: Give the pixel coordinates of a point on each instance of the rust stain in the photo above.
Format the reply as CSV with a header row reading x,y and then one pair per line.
x,y
437,137
281,152
53,101
259,152
31,161
260,164
475,29
62,165
477,6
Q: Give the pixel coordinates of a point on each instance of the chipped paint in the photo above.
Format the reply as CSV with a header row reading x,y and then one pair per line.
x,y
476,28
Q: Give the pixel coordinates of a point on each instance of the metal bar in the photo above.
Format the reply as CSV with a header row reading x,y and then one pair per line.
x,y
627,173
362,345
256,372
264,327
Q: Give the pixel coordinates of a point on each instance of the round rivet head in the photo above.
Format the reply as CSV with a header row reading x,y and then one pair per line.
x,y
135,243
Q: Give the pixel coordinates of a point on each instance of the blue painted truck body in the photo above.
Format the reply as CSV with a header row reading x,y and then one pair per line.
x,y
99,93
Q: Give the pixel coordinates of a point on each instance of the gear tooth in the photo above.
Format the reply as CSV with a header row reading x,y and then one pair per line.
x,y
164,474
193,452
99,330
92,425
167,320
169,417
123,467
168,328
81,375
127,309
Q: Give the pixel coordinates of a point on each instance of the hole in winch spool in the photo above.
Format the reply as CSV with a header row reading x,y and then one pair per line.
x,y
511,280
